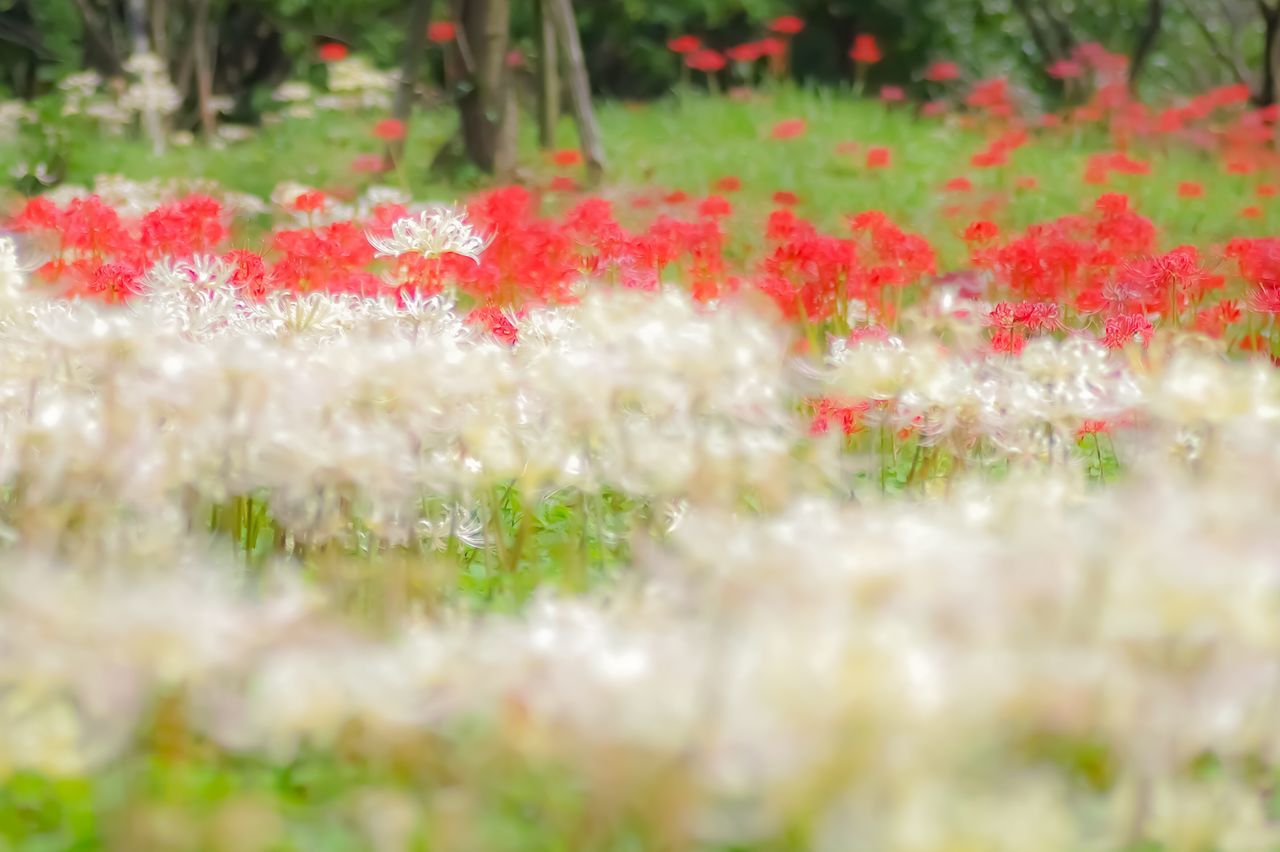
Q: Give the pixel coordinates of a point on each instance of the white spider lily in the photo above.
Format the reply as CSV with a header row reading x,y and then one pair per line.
x,y
431,233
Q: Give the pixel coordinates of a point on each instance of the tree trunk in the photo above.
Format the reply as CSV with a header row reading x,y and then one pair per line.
x,y
485,23
1146,41
415,45
579,87
135,17
1270,53
99,46
202,50
548,78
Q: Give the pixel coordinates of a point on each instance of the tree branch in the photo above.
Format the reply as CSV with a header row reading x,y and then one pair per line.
x,y
1238,72
1146,40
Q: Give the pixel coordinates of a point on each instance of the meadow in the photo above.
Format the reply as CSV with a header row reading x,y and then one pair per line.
x,y
841,473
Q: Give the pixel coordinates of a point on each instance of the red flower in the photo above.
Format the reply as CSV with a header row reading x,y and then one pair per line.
x,y
496,322
1190,189
562,183
771,46
748,52
958,184
789,128
980,232
114,282
309,202
1066,69
389,129
566,157
368,164
714,207
879,157
941,72
707,61
865,50
1125,329
250,276
786,198
786,25
728,183
1253,211
684,44
332,51
441,32
892,94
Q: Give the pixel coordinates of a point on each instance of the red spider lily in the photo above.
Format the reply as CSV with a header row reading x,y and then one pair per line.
x,y
706,61
1099,167
786,198
715,207
1190,189
789,128
329,258
1126,329
389,129
786,25
879,157
189,226
942,71
997,151
684,44
562,183
114,282
441,32
251,277
677,197
746,53
530,260
865,50
1253,211
309,202
991,97
892,94
1213,321
566,157
332,51
368,164
958,184
728,183
1066,69
496,322
772,47
1266,190
1026,182
91,227
847,414
981,232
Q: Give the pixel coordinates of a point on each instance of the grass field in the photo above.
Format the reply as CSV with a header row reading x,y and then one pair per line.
x,y
792,542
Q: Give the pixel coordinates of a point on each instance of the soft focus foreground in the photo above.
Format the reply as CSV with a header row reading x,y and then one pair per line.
x,y
636,520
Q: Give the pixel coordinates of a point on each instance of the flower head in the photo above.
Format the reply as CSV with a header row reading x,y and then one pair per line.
x,y
434,232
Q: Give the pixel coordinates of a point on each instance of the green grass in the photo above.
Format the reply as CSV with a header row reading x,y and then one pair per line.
x,y
688,141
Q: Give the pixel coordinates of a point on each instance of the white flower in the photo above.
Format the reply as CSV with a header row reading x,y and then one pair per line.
x,y
440,230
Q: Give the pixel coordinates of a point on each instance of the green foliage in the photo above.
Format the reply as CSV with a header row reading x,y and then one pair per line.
x,y
625,41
